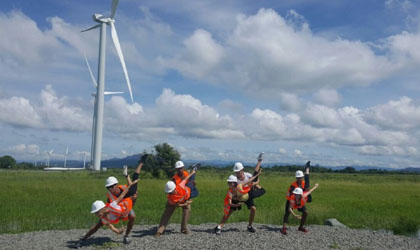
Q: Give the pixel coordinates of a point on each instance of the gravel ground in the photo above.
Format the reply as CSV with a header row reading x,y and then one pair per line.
x,y
234,235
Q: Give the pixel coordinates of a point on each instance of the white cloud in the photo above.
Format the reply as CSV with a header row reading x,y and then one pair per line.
x,y
401,114
328,97
52,113
289,102
200,56
265,55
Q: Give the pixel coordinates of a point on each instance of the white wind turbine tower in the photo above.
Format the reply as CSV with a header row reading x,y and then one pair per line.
x,y
49,157
99,97
65,156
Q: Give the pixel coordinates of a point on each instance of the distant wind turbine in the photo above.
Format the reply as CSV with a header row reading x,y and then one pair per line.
x,y
49,157
65,156
100,86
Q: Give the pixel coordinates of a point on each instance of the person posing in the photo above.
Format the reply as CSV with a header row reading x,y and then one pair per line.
x,y
114,191
302,182
111,213
179,195
298,201
234,199
252,188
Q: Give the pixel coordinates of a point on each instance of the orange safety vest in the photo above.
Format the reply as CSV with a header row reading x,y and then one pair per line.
x,y
112,197
302,202
295,185
228,197
180,195
177,179
118,212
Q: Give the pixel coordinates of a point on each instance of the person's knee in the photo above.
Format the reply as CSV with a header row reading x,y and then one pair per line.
x,y
253,209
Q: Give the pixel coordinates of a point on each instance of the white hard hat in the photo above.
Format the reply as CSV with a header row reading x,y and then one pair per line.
x,y
232,178
179,164
96,206
238,167
169,187
111,181
298,191
299,174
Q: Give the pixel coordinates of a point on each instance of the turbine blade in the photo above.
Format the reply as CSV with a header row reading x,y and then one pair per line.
x,y
114,8
91,28
112,93
90,71
120,55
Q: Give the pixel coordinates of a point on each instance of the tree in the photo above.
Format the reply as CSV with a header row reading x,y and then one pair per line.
x,y
163,160
7,161
166,157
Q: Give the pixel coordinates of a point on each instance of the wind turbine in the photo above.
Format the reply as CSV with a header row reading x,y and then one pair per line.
x,y
99,97
49,157
65,156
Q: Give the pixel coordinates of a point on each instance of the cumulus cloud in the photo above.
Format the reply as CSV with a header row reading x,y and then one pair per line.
x,y
50,113
327,97
201,54
399,114
265,54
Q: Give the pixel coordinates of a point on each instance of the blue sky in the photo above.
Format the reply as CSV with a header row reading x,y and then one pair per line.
x,y
335,82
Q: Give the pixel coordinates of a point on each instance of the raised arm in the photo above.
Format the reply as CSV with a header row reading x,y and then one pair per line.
x,y
123,193
311,190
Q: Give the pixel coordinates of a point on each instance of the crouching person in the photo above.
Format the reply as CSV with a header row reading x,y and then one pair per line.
x,y
111,213
179,195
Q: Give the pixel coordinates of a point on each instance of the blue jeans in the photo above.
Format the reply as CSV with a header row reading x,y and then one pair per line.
x,y
193,188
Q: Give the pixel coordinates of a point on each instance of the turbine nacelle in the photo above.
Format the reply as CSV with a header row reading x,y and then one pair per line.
x,y
99,18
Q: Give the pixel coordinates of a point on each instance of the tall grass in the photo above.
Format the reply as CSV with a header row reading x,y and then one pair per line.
x,y
34,201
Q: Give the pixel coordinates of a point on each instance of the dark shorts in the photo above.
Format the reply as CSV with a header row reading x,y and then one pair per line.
x,y
235,208
302,209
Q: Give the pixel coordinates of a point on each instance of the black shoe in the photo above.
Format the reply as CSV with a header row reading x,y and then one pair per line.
x,y
196,166
308,165
251,229
217,230
126,239
143,158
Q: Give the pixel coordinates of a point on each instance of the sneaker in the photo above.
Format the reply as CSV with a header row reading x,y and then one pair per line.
x,y
218,230
302,229
125,170
283,231
308,165
196,166
127,239
260,156
251,229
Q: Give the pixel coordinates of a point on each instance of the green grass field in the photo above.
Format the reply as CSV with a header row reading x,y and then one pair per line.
x,y
35,200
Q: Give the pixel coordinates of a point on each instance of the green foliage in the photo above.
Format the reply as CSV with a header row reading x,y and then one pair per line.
x,y
7,161
166,157
162,161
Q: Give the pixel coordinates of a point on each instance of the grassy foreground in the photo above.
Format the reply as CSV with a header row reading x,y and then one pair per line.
x,y
33,201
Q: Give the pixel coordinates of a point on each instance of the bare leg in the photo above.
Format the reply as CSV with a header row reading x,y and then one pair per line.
x,y
252,211
185,217
130,223
169,209
225,218
92,230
